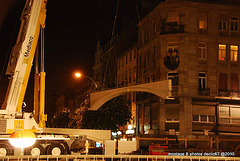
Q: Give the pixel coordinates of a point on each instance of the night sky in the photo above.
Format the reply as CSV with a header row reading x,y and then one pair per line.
x,y
71,33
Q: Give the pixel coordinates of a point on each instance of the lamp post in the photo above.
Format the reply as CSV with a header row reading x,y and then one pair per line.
x,y
79,75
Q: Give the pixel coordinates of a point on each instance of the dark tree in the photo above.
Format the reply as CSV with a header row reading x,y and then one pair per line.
x,y
112,115
60,120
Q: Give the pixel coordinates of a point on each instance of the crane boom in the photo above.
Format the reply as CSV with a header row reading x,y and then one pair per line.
x,y
19,67
21,59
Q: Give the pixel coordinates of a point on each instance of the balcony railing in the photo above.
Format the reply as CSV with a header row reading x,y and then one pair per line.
x,y
172,28
228,93
204,91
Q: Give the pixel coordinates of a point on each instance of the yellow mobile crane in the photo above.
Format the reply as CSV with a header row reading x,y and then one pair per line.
x,y
19,67
49,141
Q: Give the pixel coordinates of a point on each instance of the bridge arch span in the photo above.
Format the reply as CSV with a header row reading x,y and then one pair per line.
x,y
160,88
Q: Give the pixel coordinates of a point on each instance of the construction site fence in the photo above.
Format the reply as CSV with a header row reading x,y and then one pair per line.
x,y
116,158
210,141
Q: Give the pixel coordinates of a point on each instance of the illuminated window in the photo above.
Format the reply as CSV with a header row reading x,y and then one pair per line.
x,y
234,24
229,114
202,24
222,52
202,50
235,112
223,25
234,53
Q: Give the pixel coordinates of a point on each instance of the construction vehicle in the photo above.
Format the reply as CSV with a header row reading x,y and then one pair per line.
x,y
49,141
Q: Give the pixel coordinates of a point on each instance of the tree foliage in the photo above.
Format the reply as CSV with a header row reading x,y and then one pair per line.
x,y
60,120
112,115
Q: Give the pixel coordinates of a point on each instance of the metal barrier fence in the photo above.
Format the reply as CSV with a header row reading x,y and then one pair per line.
x,y
116,158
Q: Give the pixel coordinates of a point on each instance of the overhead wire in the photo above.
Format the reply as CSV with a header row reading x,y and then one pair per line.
x,y
112,35
115,19
137,10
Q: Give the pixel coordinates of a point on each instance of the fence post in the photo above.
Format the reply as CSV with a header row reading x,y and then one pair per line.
x,y
211,143
185,141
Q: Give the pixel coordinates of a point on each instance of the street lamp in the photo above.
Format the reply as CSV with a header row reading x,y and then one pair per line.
x,y
79,75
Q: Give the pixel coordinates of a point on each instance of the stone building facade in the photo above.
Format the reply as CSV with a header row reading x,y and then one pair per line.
x,y
105,71
127,75
196,44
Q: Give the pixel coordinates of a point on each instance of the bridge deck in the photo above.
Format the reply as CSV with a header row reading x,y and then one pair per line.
x,y
160,88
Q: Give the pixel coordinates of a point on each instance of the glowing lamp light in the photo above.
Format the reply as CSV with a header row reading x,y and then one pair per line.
x,y
130,132
114,134
130,127
78,75
22,138
119,133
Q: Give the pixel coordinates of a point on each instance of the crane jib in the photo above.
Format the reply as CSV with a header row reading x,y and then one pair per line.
x,y
29,45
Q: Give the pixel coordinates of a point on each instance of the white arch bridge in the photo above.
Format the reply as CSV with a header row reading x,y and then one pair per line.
x,y
160,88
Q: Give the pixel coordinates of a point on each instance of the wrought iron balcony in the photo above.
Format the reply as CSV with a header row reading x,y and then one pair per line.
x,y
172,28
228,93
204,91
